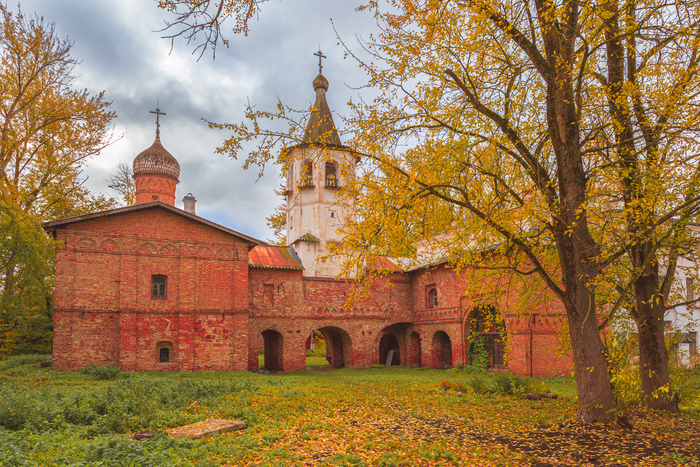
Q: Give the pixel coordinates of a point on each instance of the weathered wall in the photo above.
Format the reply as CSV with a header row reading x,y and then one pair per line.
x,y
104,311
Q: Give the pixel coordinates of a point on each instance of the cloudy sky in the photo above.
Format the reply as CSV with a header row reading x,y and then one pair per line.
x,y
122,55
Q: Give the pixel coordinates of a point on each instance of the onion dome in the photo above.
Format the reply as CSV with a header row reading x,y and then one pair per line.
x,y
156,160
321,129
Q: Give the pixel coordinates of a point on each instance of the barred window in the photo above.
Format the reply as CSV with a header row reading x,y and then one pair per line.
x,y
159,286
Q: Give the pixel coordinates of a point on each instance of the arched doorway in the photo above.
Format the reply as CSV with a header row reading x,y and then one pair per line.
x,y
338,347
389,347
442,350
487,324
272,350
414,350
316,357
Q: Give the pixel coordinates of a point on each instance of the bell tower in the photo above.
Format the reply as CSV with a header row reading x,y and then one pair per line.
x,y
321,166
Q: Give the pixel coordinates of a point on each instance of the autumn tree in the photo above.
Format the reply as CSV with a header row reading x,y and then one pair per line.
x,y
122,181
48,130
557,136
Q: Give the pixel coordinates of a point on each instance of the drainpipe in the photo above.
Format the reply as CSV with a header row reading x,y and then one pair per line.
x,y
530,322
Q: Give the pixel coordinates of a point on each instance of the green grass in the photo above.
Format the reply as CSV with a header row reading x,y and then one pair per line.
x,y
378,416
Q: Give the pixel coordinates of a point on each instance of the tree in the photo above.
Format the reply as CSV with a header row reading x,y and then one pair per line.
x,y
47,131
122,181
520,128
278,220
205,17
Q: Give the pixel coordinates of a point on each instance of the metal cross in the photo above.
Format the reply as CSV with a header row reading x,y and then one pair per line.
x,y
158,114
320,55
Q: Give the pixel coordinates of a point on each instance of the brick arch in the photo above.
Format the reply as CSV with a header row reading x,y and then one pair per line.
x,y
490,324
338,346
441,350
273,342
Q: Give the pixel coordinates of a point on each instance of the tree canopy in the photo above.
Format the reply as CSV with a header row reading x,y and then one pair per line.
x,y
48,130
560,137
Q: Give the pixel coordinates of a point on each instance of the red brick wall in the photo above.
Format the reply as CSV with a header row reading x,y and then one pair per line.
x,y
104,312
155,187
216,307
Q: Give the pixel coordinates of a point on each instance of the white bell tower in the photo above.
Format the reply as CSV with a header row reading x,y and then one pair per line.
x,y
321,166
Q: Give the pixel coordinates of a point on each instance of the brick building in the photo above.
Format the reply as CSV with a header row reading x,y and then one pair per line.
x,y
154,287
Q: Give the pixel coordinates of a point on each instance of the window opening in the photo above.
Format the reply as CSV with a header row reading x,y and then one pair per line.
x,y
164,354
689,289
159,286
331,175
307,175
432,298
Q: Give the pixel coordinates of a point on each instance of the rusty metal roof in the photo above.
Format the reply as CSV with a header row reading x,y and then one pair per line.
x,y
274,257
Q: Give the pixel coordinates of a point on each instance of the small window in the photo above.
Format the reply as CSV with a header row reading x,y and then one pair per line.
x,y
432,298
165,352
667,325
331,175
692,342
689,289
159,286
307,175
268,294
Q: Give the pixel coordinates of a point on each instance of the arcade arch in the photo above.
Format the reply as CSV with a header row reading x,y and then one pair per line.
x,y
338,346
389,346
442,350
486,323
273,350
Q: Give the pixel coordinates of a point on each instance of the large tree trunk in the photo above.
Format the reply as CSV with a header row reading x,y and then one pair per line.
x,y
595,398
653,357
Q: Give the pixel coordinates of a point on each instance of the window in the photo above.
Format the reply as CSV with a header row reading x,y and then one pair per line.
x,y
692,342
159,286
307,175
268,294
164,351
667,325
689,289
432,298
331,175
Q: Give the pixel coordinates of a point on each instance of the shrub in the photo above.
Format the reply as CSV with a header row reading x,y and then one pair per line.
x,y
478,355
19,360
100,373
479,385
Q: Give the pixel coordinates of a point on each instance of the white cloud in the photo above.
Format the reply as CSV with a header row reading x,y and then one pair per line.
x,y
121,54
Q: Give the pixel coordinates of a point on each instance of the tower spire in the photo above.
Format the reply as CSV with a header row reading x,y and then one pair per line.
x,y
158,114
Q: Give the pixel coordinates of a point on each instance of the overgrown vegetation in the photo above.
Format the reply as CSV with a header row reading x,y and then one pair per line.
x,y
381,416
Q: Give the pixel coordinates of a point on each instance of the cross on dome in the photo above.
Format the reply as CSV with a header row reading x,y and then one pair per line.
x,y
320,55
158,114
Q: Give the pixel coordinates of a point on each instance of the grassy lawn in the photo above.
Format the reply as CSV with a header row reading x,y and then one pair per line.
x,y
380,416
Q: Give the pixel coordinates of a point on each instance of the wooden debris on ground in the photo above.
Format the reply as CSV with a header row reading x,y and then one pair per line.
x,y
206,428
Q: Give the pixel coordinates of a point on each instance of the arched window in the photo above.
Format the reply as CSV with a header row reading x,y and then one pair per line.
x,y
159,286
307,174
165,352
432,298
331,175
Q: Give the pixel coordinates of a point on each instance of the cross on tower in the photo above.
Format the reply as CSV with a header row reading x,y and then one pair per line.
x,y
158,114
320,55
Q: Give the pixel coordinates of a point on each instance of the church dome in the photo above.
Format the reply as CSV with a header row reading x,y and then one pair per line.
x,y
321,82
156,160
